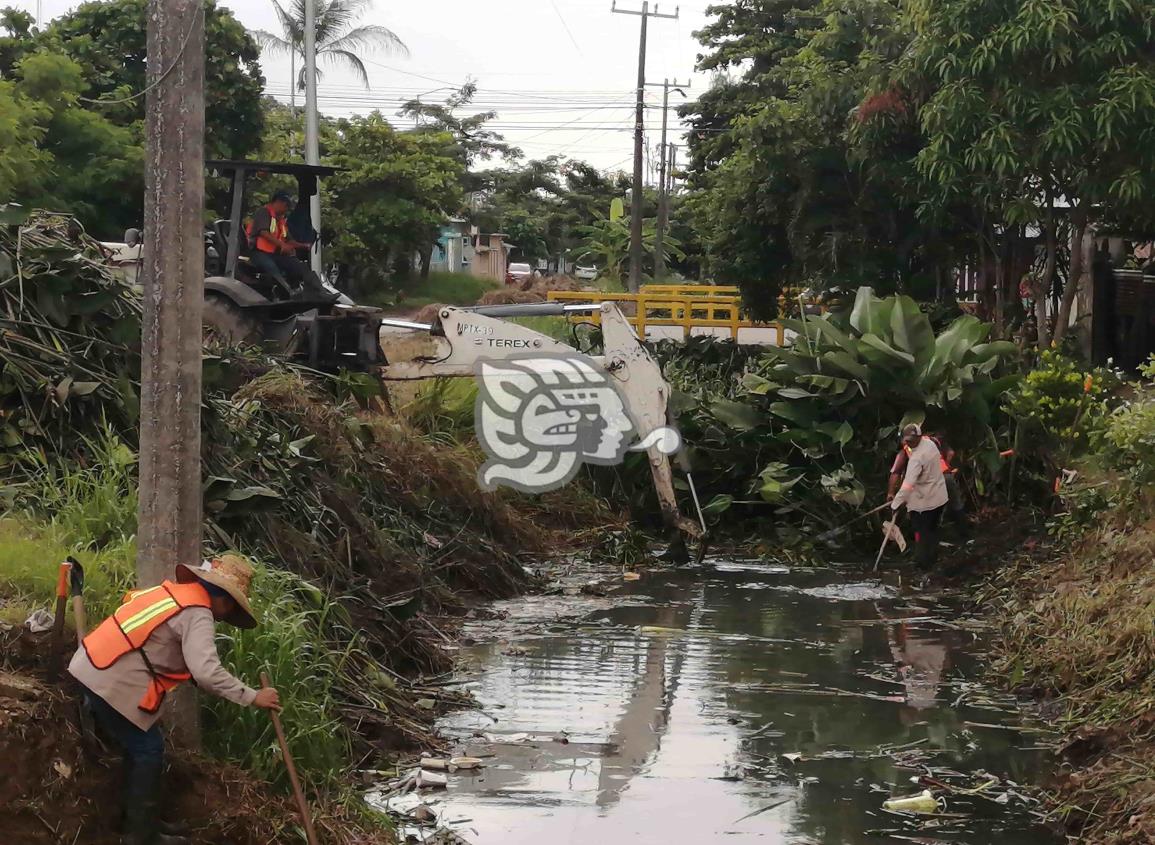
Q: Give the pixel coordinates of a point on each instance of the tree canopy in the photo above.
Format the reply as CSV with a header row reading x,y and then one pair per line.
x,y
107,40
886,142
397,192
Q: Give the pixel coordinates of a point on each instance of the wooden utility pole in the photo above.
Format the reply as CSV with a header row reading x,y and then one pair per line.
x,y
636,251
172,273
663,192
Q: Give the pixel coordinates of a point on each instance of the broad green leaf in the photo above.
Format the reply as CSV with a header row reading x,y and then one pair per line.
x,y
736,415
916,417
758,385
829,384
720,503
911,330
862,315
848,363
841,433
799,413
995,349
952,345
876,343
834,334
795,393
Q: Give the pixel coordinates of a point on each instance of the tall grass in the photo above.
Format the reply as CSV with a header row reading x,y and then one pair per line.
x,y
443,406
89,506
30,554
290,643
90,512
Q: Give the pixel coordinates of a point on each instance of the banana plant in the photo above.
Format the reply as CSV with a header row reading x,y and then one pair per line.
x,y
826,408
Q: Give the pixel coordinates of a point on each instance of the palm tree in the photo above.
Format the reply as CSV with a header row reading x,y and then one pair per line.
x,y
339,40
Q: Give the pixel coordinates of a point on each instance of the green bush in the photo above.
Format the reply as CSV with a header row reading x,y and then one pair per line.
x,y
809,429
1130,440
1060,407
1059,414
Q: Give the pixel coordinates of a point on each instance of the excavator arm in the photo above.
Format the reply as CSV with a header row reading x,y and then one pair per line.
x,y
462,337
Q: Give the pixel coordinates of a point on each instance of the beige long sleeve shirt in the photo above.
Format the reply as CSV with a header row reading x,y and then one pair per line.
x,y
923,488
182,644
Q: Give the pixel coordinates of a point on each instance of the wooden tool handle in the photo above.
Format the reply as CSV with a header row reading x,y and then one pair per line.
x,y
80,619
295,782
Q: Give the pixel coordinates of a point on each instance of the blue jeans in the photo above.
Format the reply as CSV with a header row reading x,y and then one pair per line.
x,y
138,746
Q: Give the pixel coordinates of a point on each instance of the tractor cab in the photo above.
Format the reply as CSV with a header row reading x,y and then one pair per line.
x,y
228,247
243,305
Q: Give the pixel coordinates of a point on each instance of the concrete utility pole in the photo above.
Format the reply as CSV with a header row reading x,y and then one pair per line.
x,y
663,192
635,280
172,274
312,124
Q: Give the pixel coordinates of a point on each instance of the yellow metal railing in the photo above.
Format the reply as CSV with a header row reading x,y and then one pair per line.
x,y
686,307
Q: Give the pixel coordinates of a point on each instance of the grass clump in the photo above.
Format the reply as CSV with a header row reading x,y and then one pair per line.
x,y
30,555
292,643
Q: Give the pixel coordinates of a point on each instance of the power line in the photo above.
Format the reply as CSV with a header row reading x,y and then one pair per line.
x,y
639,140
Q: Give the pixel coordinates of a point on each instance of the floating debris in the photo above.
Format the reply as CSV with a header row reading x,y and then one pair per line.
x,y
923,804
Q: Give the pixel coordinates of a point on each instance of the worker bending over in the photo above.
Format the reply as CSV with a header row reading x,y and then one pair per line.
x,y
923,491
158,639
272,250
954,507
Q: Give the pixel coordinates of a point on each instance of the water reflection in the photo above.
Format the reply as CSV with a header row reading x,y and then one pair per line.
x,y
707,698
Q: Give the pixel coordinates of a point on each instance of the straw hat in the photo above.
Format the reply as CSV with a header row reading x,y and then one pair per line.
x,y
233,574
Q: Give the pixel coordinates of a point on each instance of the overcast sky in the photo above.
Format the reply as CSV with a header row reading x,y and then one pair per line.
x,y
560,73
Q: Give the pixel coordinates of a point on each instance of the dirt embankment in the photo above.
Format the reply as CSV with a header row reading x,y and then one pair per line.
x,y
59,784
1078,633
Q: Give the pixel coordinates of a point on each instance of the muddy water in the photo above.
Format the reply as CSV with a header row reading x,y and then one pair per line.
x,y
746,703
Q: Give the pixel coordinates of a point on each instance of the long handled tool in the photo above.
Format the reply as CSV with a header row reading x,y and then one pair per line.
x,y
890,530
826,535
298,793
881,549
79,617
57,643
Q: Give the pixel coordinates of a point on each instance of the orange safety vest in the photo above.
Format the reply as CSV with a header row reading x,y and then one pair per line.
x,y
280,229
943,462
129,628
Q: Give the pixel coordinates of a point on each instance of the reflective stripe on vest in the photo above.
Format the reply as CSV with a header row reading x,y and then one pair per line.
x,y
129,628
279,227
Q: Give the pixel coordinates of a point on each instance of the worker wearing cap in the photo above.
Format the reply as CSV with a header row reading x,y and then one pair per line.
x,y
274,252
159,638
924,493
955,507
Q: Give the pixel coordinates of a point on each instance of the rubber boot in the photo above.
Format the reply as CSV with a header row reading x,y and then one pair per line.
x,y
167,828
142,806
